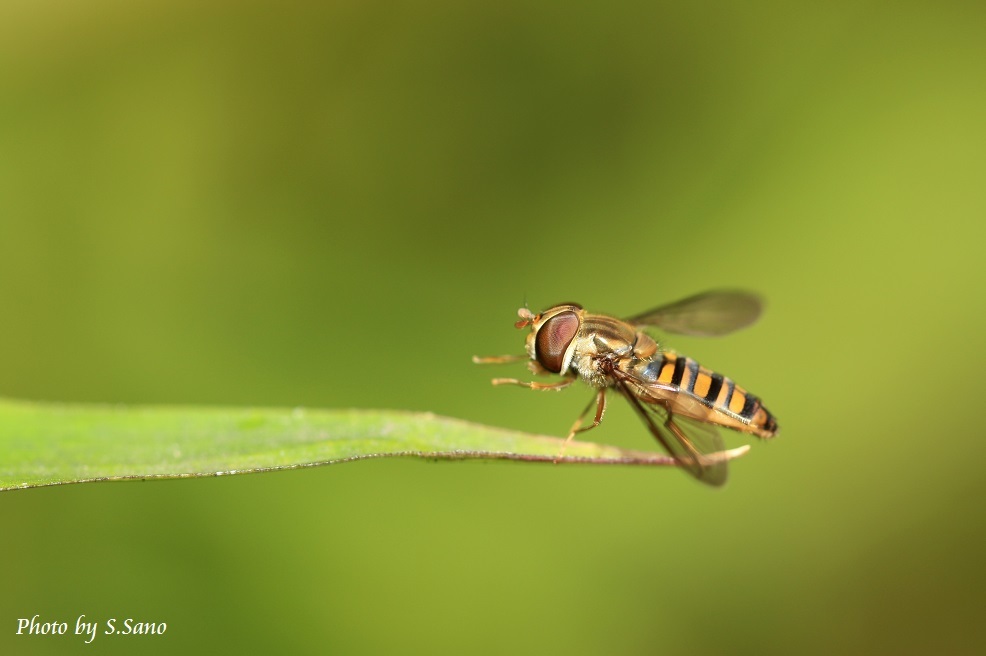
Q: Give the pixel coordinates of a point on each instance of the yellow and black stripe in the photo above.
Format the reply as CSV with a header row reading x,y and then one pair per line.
x,y
711,388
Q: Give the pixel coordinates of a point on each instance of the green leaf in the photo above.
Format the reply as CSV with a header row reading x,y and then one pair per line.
x,y
49,443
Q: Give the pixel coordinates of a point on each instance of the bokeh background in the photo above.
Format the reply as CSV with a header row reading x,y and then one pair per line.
x,y
337,204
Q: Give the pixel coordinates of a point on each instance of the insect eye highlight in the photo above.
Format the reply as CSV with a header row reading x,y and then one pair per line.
x,y
553,339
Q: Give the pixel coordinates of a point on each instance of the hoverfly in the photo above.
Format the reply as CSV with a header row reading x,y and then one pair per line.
x,y
680,402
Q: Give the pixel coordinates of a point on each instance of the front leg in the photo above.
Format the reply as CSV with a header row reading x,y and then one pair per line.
x,y
534,385
533,365
498,359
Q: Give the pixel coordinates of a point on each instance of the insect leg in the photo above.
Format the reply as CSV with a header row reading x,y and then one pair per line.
x,y
498,359
577,427
693,453
533,385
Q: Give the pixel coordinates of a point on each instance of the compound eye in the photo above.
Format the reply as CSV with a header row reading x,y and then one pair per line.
x,y
553,339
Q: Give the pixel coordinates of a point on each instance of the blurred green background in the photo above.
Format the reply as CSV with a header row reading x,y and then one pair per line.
x,y
337,204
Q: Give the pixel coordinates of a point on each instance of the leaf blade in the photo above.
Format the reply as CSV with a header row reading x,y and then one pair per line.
x,y
49,444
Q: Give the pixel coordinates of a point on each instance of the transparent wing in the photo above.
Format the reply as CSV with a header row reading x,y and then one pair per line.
x,y
697,447
705,315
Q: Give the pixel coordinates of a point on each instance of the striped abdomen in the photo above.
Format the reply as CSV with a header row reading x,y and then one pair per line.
x,y
720,400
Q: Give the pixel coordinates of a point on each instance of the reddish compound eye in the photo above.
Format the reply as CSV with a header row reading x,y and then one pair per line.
x,y
553,339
